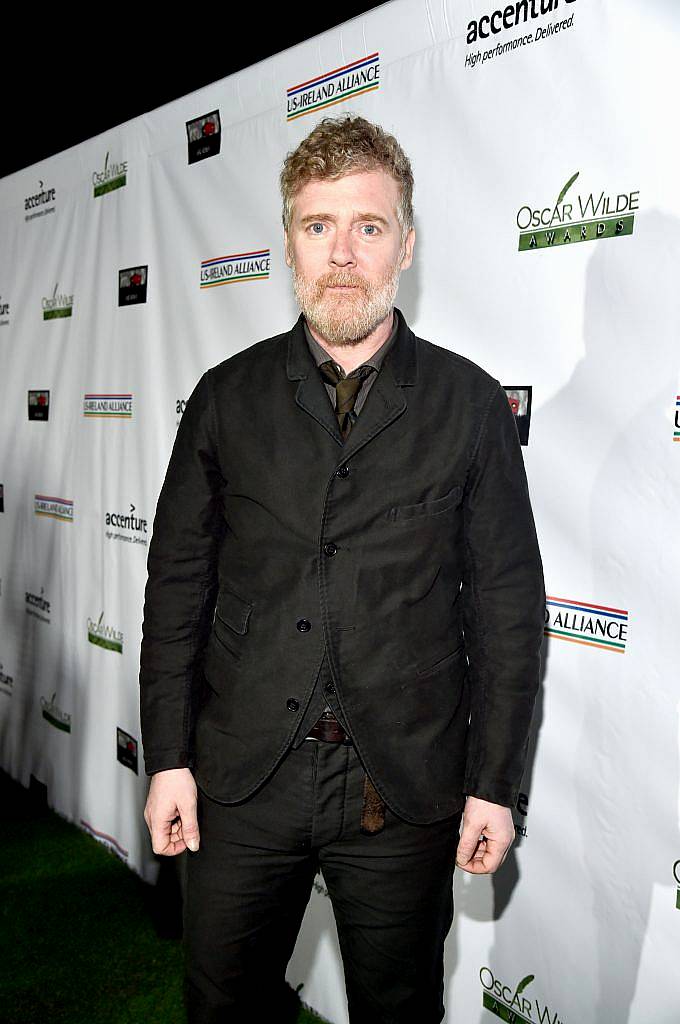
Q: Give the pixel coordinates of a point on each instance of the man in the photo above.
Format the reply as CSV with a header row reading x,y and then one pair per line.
x,y
343,618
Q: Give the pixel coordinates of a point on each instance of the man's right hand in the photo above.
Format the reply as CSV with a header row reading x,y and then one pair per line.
x,y
170,812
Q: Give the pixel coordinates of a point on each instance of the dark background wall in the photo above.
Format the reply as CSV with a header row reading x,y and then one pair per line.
x,y
69,74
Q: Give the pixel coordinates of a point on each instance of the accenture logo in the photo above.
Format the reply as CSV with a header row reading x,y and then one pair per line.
x,y
37,205
509,17
506,18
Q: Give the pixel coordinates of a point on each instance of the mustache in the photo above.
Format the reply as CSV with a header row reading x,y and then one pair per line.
x,y
340,278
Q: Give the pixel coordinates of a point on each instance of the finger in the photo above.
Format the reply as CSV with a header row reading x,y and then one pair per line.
x,y
166,839
189,826
488,858
163,839
468,843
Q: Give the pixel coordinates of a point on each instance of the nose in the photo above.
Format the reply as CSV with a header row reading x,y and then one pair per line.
x,y
342,249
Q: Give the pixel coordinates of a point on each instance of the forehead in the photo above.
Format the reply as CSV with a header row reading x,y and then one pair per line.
x,y
363,191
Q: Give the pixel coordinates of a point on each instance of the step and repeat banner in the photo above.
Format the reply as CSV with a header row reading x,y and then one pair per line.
x,y
544,145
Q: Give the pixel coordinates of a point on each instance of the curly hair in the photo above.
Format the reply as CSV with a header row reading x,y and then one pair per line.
x,y
343,145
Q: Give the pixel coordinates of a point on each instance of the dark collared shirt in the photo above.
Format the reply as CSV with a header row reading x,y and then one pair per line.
x,y
322,698
320,355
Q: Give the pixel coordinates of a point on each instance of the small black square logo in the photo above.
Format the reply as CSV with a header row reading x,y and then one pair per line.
x,y
203,136
126,747
38,405
520,403
132,285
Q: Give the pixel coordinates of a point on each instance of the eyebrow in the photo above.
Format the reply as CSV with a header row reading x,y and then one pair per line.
x,y
312,217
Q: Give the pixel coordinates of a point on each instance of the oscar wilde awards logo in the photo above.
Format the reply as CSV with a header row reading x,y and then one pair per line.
x,y
510,1003
676,876
101,635
111,177
57,305
509,17
203,136
348,81
107,407
676,431
586,217
519,399
38,202
132,285
241,266
47,507
593,625
53,714
38,405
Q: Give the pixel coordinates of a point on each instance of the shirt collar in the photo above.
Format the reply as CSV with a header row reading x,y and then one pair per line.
x,y
322,356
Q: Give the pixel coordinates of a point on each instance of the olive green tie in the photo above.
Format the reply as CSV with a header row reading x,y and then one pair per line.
x,y
347,389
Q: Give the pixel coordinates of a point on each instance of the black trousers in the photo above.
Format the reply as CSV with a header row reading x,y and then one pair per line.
x,y
249,883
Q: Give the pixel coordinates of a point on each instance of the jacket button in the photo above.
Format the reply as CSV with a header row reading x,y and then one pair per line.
x,y
304,625
292,704
343,471
330,548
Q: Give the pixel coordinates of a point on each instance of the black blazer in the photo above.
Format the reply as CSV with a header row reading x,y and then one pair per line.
x,y
409,551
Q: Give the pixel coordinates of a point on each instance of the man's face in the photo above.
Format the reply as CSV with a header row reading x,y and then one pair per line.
x,y
345,248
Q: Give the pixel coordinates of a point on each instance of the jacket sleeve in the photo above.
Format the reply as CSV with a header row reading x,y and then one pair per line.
x,y
503,607
181,588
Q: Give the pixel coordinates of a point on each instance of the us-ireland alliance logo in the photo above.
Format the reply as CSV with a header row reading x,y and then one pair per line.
x,y
240,266
343,83
577,216
580,622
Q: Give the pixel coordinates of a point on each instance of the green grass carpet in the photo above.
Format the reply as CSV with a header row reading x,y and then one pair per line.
x,y
82,939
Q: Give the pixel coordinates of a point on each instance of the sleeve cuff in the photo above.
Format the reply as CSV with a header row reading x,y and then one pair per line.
x,y
495,792
161,762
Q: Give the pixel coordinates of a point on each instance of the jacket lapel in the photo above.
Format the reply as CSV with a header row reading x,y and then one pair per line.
x,y
386,400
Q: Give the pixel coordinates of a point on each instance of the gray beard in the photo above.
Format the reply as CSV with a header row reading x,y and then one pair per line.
x,y
345,320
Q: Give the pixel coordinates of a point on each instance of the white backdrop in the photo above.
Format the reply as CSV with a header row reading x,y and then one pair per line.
x,y
581,924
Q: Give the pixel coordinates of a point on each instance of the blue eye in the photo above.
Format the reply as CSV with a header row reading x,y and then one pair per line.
x,y
370,228
313,228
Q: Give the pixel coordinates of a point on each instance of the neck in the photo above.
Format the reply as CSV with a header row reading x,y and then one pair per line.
x,y
351,354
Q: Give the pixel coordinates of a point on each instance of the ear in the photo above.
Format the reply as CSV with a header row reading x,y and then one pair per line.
x,y
409,242
286,249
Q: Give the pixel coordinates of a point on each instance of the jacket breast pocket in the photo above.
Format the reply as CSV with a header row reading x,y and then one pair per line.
x,y
403,514
231,621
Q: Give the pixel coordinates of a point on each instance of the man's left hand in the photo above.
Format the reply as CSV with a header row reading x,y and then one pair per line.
x,y
487,835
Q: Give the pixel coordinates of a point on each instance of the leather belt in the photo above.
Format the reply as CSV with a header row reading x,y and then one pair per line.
x,y
329,730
